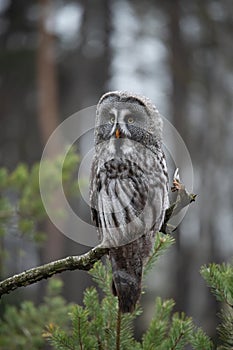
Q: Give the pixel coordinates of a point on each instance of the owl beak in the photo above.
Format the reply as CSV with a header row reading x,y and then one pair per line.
x,y
117,134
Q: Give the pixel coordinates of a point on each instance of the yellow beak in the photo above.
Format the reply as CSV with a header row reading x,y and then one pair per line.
x,y
118,134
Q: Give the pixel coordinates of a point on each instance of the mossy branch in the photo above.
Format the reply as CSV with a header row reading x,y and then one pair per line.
x,y
81,262
87,260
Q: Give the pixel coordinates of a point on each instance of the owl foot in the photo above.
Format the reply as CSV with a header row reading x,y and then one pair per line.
x,y
177,185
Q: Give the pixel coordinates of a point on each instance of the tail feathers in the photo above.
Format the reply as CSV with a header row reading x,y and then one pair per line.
x,y
127,288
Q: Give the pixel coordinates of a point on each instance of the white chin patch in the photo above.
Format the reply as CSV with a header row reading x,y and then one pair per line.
x,y
127,147
111,146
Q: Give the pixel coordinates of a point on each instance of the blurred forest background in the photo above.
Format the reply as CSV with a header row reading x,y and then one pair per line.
x,y
58,57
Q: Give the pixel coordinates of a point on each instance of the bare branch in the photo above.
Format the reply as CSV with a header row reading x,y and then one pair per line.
x,y
82,262
183,199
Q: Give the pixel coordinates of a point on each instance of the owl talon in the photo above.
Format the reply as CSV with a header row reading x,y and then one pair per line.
x,y
177,185
176,174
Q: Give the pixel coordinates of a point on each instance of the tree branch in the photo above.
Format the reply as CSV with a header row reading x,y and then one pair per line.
x,y
81,262
87,260
183,199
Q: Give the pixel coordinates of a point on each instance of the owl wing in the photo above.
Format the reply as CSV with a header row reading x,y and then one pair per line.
x,y
93,197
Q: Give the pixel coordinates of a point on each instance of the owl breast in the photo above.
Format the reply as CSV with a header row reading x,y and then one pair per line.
x,y
126,202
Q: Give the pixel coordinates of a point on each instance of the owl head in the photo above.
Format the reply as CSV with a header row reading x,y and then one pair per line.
x,y
121,114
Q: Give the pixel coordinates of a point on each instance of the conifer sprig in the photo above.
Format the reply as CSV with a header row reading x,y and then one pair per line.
x,y
94,325
220,280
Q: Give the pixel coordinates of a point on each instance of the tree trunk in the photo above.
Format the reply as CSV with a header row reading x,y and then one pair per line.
x,y
179,70
48,110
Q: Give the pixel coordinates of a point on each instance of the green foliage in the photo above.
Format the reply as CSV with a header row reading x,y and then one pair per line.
x,y
162,243
225,330
94,325
21,207
3,178
22,328
167,331
27,210
220,280
158,328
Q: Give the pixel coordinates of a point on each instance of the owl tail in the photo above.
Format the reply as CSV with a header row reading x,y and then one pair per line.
x,y
126,282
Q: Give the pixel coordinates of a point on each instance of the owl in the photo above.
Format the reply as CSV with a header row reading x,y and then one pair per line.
x,y
128,187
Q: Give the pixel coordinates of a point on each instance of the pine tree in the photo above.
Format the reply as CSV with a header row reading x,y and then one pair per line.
x,y
94,325
22,327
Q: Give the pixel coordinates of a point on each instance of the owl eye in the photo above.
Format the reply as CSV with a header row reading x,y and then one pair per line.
x,y
112,120
130,120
